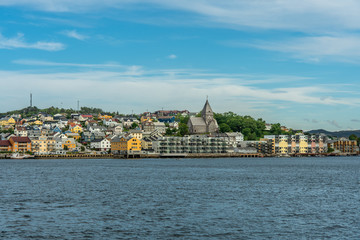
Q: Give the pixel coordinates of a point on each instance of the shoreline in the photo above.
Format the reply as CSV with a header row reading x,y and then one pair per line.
x,y
188,155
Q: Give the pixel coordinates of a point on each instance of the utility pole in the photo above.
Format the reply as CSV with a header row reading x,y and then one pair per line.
x,y
78,105
30,99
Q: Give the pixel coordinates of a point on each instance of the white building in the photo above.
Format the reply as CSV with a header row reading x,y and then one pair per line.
x,y
101,145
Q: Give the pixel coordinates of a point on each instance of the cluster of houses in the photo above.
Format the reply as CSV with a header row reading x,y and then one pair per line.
x,y
145,134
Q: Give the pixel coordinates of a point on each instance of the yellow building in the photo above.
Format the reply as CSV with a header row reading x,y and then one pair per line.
x,y
43,145
104,116
20,144
76,129
303,145
76,136
7,121
38,122
145,119
126,144
283,145
69,144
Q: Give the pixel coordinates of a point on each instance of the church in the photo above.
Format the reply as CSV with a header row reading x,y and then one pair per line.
x,y
204,124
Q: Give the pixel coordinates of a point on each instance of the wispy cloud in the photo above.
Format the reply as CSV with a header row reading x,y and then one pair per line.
x,y
74,34
172,56
174,84
19,42
334,123
338,48
306,15
112,65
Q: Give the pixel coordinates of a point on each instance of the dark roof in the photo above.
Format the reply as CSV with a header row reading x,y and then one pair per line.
x,y
4,143
21,139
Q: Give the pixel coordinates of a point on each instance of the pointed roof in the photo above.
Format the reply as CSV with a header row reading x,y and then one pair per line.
x,y
206,109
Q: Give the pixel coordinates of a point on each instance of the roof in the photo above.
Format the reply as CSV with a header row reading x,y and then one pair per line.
x,y
206,109
21,139
135,131
197,121
4,143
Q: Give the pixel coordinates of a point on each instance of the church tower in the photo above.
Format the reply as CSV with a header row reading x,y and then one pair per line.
x,y
204,124
207,113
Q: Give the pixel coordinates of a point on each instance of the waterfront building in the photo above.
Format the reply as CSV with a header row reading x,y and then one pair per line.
x,y
204,124
146,144
128,144
297,144
5,146
101,144
43,145
344,145
190,144
20,144
264,146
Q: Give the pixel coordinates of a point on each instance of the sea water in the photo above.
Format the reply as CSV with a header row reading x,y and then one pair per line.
x,y
225,198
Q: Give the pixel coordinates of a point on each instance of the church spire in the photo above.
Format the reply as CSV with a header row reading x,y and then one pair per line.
x,y
207,113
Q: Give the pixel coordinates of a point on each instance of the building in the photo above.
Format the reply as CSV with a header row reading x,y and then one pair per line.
x,y
68,144
43,145
190,144
136,133
21,132
263,146
204,124
344,145
127,145
76,129
101,144
146,145
20,144
5,146
297,144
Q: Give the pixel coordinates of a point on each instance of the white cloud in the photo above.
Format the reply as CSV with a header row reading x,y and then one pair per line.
x,y
172,56
74,34
306,15
315,49
112,65
19,42
117,87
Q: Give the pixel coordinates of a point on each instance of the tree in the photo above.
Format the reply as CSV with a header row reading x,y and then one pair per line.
x,y
330,150
276,129
353,137
224,128
134,125
66,148
183,130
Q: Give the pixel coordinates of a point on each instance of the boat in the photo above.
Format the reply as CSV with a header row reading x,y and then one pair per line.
x,y
20,156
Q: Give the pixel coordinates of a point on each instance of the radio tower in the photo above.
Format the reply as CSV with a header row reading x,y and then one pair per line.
x,y
30,99
78,105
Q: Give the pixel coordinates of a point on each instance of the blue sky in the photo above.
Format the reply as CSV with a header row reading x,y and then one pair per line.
x,y
293,62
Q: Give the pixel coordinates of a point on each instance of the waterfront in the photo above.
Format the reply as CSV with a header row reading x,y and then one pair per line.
x,y
229,198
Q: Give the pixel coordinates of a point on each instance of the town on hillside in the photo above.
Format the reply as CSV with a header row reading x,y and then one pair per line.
x,y
162,133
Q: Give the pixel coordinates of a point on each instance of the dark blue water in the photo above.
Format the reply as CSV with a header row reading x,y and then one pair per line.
x,y
298,198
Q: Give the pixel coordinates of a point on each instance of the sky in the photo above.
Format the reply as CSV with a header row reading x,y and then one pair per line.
x,y
292,62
